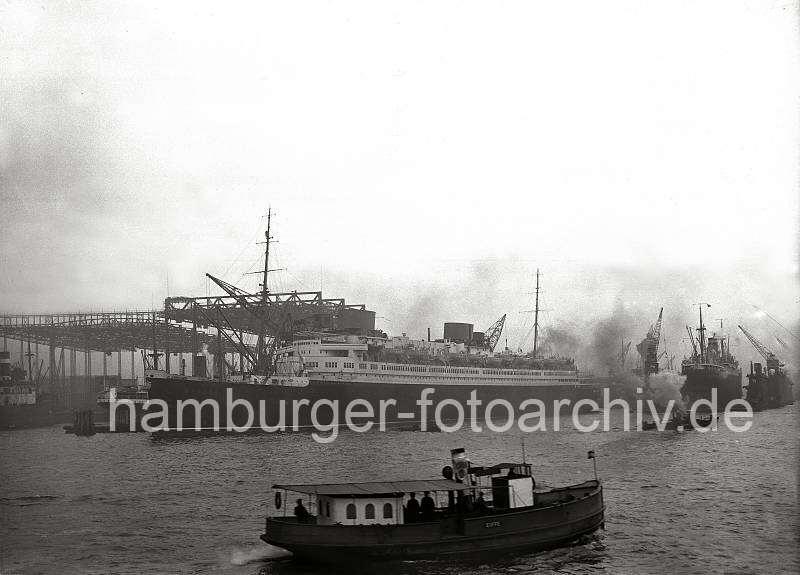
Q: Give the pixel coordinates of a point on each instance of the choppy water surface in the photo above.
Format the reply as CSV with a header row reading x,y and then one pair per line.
x,y
688,502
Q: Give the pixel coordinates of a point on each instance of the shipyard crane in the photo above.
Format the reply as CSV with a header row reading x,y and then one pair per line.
x,y
772,360
648,348
656,329
492,333
784,345
263,357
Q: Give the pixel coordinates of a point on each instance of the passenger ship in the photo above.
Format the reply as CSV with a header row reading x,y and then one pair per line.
x,y
337,364
339,368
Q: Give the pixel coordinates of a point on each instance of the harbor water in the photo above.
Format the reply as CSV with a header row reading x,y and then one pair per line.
x,y
677,502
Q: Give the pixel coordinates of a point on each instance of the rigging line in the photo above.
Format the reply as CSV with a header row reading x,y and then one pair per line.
x,y
249,269
297,281
235,260
247,245
280,284
525,340
765,312
519,329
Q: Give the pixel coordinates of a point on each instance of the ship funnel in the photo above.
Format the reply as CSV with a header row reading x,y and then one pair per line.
x,y
460,463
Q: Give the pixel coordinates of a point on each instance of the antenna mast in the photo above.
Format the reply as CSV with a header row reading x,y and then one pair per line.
x,y
262,353
267,238
702,331
536,317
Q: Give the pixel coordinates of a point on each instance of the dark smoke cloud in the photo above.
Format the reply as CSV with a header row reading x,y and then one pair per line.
x,y
560,342
606,337
589,311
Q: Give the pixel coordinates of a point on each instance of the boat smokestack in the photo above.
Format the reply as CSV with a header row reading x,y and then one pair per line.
x,y
429,334
460,463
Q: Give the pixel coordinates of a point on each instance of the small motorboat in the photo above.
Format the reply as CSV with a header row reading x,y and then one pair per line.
x,y
682,422
472,510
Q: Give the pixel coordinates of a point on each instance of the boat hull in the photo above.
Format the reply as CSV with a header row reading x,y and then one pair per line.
x,y
769,391
529,529
274,404
42,414
702,379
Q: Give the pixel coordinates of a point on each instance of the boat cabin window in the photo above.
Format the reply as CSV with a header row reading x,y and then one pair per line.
x,y
387,511
369,511
328,508
351,511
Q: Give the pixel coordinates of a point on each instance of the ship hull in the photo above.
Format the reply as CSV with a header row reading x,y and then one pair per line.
x,y
702,379
769,392
291,407
43,414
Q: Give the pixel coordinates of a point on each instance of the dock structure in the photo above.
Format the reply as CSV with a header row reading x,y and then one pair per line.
x,y
226,326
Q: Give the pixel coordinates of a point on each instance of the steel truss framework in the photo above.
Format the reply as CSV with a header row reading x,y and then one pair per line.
x,y
229,324
243,310
103,332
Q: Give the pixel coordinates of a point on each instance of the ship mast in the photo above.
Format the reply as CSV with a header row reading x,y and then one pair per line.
x,y
267,238
702,330
260,351
536,317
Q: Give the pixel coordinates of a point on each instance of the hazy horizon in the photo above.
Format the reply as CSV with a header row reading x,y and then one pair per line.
x,y
422,160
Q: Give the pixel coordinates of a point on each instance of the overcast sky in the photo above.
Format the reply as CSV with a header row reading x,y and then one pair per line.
x,y
422,158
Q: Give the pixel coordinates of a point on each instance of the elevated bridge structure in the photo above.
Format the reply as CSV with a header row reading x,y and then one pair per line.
x,y
56,349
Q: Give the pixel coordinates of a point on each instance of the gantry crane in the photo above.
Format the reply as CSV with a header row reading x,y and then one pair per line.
x,y
492,333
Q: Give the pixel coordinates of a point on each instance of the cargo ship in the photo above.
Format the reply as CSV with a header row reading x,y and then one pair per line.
x,y
768,384
22,403
711,366
293,359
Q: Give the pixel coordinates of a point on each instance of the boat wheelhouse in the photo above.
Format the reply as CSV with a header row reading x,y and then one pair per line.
x,y
493,509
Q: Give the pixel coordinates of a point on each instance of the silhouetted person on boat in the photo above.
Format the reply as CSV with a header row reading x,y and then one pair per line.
x,y
480,504
412,508
464,504
428,507
301,512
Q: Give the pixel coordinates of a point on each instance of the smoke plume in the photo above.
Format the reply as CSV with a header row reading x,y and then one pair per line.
x,y
664,387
